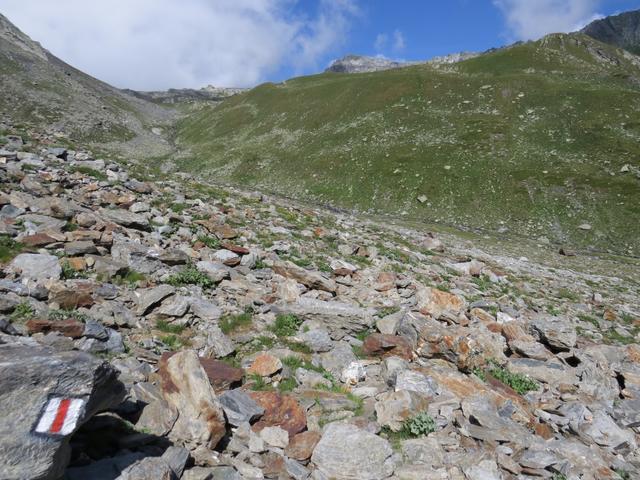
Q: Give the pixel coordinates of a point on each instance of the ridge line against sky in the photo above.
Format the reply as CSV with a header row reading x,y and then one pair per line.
x,y
161,44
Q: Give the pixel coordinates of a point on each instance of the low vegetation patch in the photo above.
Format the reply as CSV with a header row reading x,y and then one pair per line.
x,y
23,312
166,327
286,325
129,277
231,323
9,248
211,242
518,382
98,175
190,276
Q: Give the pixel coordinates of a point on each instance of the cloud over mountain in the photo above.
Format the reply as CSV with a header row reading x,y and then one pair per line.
x,y
157,44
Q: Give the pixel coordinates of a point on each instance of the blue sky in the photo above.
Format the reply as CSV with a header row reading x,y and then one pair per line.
x,y
422,29
160,44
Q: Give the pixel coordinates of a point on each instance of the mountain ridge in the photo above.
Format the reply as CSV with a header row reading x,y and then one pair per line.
x,y
621,30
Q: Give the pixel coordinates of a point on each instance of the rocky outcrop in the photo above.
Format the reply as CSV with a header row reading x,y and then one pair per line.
x,y
620,30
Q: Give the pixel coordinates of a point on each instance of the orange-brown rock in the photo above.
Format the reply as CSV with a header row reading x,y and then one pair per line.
x,y
386,281
439,304
72,296
381,345
235,248
301,445
69,328
265,365
279,410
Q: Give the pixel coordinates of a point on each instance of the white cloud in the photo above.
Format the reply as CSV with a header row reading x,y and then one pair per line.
x,y
157,44
532,19
384,41
398,41
381,42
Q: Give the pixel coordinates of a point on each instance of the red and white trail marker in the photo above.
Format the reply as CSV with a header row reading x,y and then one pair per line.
x,y
60,416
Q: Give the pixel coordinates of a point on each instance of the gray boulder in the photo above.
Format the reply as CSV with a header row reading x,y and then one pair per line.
x,y
347,452
45,397
36,267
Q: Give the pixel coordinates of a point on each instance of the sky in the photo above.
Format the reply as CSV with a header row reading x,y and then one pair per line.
x,y
160,44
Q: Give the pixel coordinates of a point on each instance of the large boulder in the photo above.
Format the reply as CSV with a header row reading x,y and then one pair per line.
x,y
45,397
186,388
36,266
347,452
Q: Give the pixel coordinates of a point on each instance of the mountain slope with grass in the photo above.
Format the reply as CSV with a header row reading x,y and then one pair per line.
x,y
38,90
540,139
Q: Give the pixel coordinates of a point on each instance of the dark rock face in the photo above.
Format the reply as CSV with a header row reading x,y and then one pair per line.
x,y
45,397
620,30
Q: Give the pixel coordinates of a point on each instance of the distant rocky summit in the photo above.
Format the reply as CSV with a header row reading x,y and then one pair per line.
x,y
207,94
621,30
361,64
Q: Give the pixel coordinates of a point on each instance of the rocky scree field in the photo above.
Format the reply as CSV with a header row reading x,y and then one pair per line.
x,y
217,334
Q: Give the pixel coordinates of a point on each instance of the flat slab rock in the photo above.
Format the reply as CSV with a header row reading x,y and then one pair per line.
x,y
45,397
346,452
339,318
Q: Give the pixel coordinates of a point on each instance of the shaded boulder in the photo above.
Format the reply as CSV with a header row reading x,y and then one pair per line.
x,y
45,397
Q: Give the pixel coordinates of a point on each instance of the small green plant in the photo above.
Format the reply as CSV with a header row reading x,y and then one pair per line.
x,y
167,327
293,363
520,383
9,248
230,323
559,476
69,273
128,277
258,384
190,276
589,319
623,474
23,311
386,311
419,425
567,294
101,176
70,227
286,325
297,346
287,385
171,341
178,207
483,283
211,242
260,264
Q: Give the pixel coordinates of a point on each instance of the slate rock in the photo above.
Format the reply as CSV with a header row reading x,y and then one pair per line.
x,y
240,407
346,452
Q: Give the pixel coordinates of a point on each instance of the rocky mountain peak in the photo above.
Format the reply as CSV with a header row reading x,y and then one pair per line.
x,y
360,64
11,34
621,30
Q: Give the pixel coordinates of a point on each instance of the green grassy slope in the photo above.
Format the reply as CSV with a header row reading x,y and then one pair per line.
x,y
532,138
